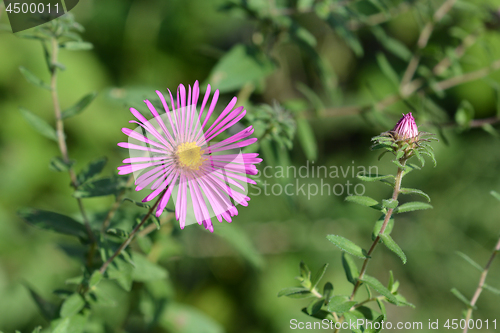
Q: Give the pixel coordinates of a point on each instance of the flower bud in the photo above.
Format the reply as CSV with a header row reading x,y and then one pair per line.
x,y
406,128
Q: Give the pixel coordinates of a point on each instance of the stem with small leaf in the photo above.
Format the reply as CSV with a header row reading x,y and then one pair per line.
x,y
131,236
395,193
61,137
480,286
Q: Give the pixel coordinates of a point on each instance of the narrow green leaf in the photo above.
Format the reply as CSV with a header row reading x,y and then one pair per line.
x,y
370,177
382,308
321,314
95,278
393,246
100,187
33,79
350,317
461,297
79,107
496,195
464,114
389,203
91,170
318,276
53,221
411,206
470,261
58,164
387,69
346,245
306,138
315,306
118,233
62,327
391,44
77,46
340,304
72,305
40,125
295,292
327,291
305,275
414,191
492,289
378,226
379,287
362,200
350,268
373,329
138,203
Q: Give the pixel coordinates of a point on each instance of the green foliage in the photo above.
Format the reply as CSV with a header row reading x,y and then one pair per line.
x,y
54,222
33,79
347,246
79,106
39,124
412,206
462,298
393,246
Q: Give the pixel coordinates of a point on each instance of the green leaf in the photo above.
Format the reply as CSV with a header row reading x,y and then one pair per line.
x,y
295,292
40,125
121,271
379,287
79,107
100,187
241,242
58,164
470,261
496,195
146,270
347,246
315,306
37,329
414,191
91,170
33,79
95,278
340,304
461,297
321,314
365,312
72,305
392,45
48,310
62,327
351,317
138,203
318,276
77,46
382,308
53,221
305,275
492,289
192,320
306,138
350,268
373,329
338,22
464,114
362,200
387,69
371,177
411,206
327,291
238,67
389,203
393,246
378,226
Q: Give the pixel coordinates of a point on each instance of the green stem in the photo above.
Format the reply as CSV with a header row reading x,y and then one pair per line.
x,y
395,193
481,285
61,138
131,236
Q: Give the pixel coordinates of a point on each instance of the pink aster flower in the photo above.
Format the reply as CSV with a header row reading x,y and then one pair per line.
x,y
406,128
177,154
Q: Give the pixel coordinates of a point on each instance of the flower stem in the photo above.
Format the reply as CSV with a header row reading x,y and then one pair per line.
x,y
395,193
480,285
116,204
61,138
131,236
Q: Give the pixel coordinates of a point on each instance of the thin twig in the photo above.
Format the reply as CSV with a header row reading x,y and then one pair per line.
x,y
480,286
131,236
61,137
459,51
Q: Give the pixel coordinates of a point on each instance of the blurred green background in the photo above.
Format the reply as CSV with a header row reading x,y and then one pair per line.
x,y
143,45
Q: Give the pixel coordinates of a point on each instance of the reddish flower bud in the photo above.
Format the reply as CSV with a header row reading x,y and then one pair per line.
x,y
406,128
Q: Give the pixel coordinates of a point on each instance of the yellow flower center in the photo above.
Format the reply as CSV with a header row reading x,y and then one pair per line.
x,y
189,155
